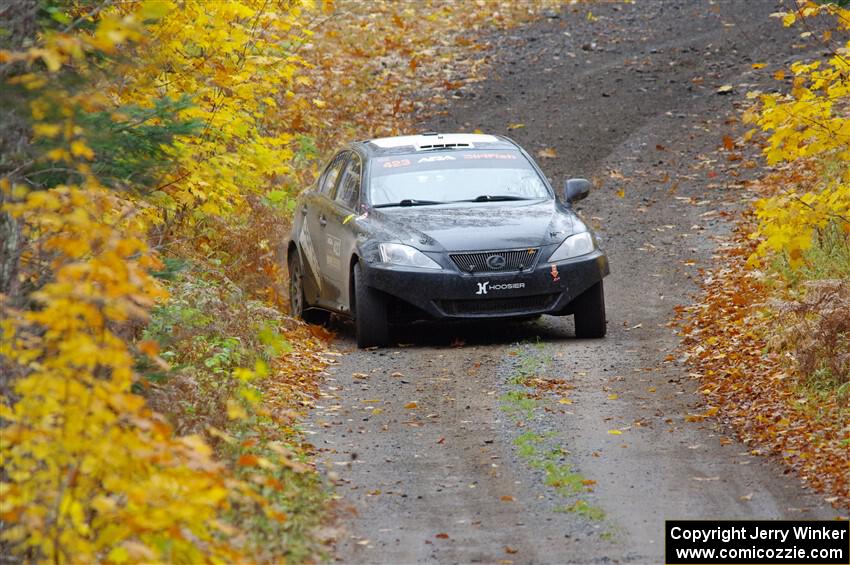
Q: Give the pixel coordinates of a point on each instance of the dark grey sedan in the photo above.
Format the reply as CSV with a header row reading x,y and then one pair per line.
x,y
442,226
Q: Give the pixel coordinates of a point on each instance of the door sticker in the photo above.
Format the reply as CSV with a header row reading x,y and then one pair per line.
x,y
333,247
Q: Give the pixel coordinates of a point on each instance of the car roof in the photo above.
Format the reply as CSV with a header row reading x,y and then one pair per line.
x,y
432,141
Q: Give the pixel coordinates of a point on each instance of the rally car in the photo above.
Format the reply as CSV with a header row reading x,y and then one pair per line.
x,y
445,227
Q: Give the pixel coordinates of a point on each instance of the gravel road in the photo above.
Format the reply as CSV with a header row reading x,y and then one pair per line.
x,y
446,449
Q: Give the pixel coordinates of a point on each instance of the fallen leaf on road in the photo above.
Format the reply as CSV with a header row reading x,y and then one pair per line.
x,y
612,397
747,497
565,401
725,89
411,405
248,460
509,549
547,153
615,432
508,498
515,126
442,536
712,410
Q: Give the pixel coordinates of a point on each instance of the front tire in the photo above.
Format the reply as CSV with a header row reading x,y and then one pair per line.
x,y
298,307
589,313
370,316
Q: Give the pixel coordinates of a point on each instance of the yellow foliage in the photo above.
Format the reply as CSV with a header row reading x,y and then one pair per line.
x,y
234,59
812,122
91,473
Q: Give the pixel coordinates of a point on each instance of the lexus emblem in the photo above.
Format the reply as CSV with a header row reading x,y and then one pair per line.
x,y
496,262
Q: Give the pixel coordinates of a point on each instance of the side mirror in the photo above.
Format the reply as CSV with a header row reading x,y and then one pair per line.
x,y
576,189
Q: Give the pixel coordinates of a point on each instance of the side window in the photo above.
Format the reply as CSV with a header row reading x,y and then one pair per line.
x,y
328,180
349,186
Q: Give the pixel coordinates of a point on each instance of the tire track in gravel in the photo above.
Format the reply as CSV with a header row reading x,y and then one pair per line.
x,y
624,101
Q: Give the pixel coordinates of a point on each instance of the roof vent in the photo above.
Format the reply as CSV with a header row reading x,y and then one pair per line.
x,y
434,140
443,146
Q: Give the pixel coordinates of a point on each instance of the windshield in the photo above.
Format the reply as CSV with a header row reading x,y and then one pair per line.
x,y
436,178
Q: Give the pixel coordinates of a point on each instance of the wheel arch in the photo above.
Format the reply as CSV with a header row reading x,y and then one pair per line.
x,y
291,249
352,300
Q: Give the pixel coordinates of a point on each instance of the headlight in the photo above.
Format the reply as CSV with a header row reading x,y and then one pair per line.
x,y
574,246
406,256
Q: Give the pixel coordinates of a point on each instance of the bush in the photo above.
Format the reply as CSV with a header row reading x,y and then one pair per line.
x,y
816,330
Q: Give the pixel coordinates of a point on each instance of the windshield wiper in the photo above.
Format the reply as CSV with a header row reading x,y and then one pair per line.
x,y
496,198
409,202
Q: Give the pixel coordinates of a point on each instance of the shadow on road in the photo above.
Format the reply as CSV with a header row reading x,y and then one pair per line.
x,y
483,332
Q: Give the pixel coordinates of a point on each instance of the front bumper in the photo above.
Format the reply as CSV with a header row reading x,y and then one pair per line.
x,y
450,294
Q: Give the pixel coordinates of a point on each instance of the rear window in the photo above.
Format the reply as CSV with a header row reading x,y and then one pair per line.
x,y
453,176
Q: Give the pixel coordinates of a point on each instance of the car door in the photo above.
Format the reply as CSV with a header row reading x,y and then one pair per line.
x,y
341,236
312,239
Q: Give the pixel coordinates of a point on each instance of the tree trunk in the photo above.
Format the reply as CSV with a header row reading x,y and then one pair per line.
x,y
10,253
20,23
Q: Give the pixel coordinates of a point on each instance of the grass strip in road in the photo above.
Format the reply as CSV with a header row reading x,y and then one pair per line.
x,y
540,451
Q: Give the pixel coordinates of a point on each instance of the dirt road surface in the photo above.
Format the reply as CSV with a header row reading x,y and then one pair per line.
x,y
439,454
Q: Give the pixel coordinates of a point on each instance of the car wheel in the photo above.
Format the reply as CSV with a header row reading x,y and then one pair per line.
x,y
298,307
370,315
589,312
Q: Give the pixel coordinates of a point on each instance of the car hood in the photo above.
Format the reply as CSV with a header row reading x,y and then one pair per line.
x,y
480,226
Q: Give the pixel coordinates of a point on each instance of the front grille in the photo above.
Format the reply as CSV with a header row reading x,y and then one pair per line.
x,y
490,261
490,306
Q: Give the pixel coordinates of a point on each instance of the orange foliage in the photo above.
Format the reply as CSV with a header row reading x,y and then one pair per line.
x,y
756,391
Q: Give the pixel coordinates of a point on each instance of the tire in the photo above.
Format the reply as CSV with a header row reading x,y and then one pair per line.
x,y
370,314
589,312
298,306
